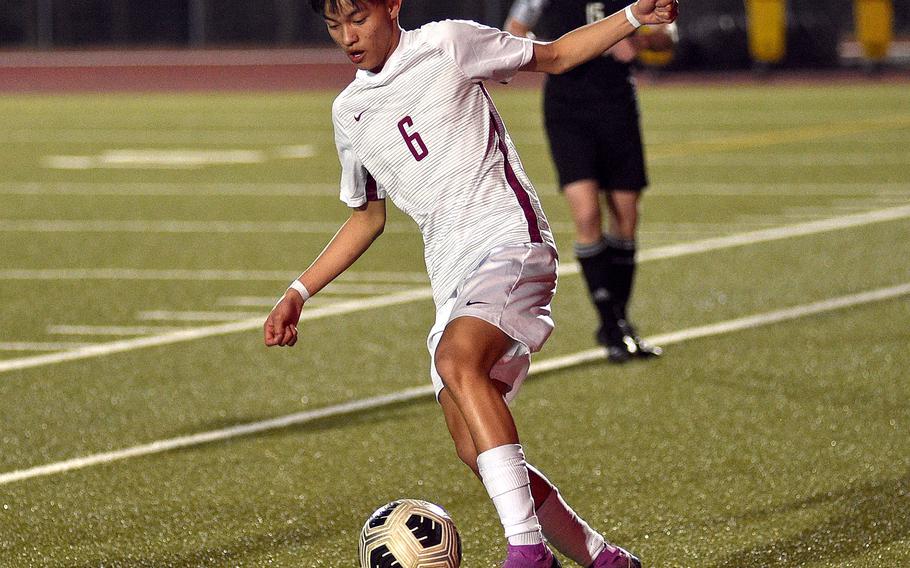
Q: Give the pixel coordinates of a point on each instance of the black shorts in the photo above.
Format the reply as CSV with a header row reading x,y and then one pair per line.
x,y
596,139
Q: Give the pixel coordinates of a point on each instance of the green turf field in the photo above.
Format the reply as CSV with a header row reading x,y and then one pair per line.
x,y
136,231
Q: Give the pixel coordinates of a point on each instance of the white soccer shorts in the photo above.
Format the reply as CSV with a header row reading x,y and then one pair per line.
x,y
511,288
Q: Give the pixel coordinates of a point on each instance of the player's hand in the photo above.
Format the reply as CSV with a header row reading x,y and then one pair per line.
x,y
653,12
281,326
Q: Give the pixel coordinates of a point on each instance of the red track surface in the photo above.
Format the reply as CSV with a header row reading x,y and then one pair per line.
x,y
288,70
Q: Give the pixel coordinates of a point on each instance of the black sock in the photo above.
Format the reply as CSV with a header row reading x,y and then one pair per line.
x,y
621,255
595,264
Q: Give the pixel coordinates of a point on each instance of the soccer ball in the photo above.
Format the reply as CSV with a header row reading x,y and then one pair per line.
x,y
410,533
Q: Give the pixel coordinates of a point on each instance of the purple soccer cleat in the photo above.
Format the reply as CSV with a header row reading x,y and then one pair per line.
x,y
530,556
615,557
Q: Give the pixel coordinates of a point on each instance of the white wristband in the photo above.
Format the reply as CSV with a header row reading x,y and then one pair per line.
x,y
632,19
301,289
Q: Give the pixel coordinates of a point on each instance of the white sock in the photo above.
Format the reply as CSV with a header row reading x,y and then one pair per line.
x,y
567,532
505,475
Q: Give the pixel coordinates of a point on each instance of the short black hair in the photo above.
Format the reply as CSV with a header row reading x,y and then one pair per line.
x,y
319,6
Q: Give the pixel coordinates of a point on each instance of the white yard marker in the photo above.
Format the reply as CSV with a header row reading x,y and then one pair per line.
x,y
296,152
108,329
547,365
331,190
41,346
176,159
154,159
671,251
813,159
734,325
270,301
278,137
181,226
166,315
338,290
776,233
191,334
193,275
171,189
251,301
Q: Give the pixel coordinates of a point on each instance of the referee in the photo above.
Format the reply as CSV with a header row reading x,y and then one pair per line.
x,y
591,116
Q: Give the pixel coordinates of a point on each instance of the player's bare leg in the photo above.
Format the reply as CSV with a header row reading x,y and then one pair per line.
x,y
623,226
595,255
583,197
623,207
561,526
464,358
467,352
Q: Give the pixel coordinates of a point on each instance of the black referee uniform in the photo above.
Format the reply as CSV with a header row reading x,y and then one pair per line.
x,y
592,122
591,112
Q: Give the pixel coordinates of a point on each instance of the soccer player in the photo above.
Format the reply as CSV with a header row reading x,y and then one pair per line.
x,y
417,126
591,116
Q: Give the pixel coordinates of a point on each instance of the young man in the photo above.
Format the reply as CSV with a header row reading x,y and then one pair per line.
x,y
591,116
416,125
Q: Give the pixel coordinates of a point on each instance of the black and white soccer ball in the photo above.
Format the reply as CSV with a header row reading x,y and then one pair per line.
x,y
410,533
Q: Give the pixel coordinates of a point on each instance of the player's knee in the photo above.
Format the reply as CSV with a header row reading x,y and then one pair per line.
x,y
587,226
454,375
446,361
624,222
454,366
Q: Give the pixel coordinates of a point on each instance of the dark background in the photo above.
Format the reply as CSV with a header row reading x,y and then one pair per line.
x,y
712,32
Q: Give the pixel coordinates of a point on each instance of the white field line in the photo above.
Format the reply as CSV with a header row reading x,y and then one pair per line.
x,y
166,315
302,227
40,346
777,160
775,234
201,275
658,140
548,365
192,334
285,136
158,159
181,226
176,189
334,289
671,251
251,301
186,158
108,329
171,189
261,227
738,324
834,189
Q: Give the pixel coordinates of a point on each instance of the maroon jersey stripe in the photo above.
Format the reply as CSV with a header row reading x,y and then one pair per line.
x,y
521,195
520,192
372,191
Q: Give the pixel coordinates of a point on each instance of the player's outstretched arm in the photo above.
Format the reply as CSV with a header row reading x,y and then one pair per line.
x,y
587,42
352,240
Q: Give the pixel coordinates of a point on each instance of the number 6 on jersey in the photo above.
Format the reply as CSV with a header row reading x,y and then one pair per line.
x,y
414,141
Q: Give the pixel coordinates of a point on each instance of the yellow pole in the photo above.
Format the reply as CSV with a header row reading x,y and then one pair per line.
x,y
767,20
874,24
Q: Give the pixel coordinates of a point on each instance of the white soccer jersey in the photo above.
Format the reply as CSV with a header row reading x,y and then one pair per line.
x,y
424,132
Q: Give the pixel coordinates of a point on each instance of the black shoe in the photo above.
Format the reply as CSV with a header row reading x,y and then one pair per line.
x,y
643,349
620,347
